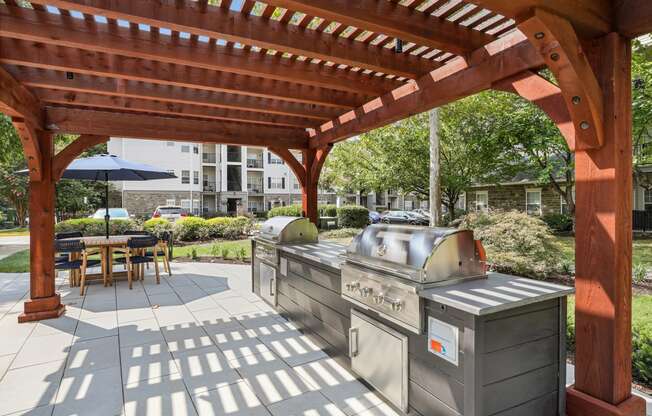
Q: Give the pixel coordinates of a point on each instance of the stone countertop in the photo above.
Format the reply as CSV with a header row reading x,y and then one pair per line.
x,y
498,292
323,252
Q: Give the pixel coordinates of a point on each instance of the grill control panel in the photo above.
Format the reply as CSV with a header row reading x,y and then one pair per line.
x,y
394,300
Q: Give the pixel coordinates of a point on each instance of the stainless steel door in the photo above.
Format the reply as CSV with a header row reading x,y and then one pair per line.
x,y
379,354
268,283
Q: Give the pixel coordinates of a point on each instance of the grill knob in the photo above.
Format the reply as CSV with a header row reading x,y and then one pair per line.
x,y
397,305
379,299
350,287
366,291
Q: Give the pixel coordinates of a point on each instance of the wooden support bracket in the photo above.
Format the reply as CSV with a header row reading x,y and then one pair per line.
x,y
31,148
556,41
74,149
545,95
292,162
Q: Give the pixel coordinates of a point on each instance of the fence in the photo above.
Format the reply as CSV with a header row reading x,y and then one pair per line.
x,y
642,220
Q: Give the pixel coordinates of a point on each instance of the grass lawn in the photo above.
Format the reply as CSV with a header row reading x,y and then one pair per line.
x,y
15,263
641,309
206,249
642,250
14,232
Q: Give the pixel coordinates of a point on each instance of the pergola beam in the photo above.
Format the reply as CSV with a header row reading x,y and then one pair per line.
x,y
222,23
169,94
590,18
392,19
501,59
59,30
17,101
633,17
105,123
113,102
18,52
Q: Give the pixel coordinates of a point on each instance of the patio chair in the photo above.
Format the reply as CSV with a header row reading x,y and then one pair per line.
x,y
58,258
135,256
78,259
163,250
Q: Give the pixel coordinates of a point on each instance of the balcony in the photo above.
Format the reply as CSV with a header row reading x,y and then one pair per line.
x,y
255,163
255,187
233,154
209,186
209,158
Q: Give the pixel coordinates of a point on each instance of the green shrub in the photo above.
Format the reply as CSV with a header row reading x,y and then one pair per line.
x,y
639,273
287,211
158,226
559,222
190,229
225,252
230,228
193,254
215,250
352,216
341,233
95,226
515,242
327,210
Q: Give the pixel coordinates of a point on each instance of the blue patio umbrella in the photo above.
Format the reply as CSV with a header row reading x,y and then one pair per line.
x,y
111,168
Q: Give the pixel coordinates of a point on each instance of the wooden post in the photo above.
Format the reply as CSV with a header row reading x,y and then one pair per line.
x,y
604,247
44,302
309,190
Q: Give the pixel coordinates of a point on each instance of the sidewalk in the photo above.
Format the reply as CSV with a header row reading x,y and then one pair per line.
x,y
10,245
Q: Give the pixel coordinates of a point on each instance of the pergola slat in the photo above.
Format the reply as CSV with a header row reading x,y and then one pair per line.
x,y
16,52
145,126
103,86
169,108
503,58
232,26
394,20
70,32
634,17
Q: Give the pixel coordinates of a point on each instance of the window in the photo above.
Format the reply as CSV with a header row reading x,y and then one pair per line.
x,y
461,201
170,202
533,201
185,176
275,183
169,144
185,204
195,177
647,200
185,148
170,171
272,159
195,149
481,200
234,154
196,206
234,178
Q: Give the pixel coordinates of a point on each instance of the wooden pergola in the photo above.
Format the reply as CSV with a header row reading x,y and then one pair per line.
x,y
305,74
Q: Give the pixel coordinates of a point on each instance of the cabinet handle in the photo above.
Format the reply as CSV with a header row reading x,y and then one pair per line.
x,y
353,342
271,287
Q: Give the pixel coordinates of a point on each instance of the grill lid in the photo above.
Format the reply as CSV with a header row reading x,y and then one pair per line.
x,y
423,254
281,230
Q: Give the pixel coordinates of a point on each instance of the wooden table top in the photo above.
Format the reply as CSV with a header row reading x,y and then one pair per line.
x,y
99,241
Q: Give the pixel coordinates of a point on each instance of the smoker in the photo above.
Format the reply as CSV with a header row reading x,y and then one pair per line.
x,y
433,332
275,232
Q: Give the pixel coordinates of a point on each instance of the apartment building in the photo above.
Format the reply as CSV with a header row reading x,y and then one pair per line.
x,y
211,178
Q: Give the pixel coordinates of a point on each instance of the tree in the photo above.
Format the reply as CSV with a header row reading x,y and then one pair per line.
x,y
642,112
73,197
435,168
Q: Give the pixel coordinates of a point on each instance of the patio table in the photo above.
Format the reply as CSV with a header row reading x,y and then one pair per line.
x,y
104,244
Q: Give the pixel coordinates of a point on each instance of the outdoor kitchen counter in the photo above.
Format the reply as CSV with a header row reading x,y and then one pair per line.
x,y
498,292
324,252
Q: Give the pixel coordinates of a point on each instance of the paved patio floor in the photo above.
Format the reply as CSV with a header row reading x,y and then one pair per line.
x,y
198,343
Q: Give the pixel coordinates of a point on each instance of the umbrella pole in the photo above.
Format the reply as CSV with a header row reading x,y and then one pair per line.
x,y
107,217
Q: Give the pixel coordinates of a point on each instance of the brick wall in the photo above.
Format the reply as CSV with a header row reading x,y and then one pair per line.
x,y
512,197
145,202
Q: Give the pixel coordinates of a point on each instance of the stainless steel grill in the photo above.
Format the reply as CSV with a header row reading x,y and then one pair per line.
x,y
388,265
283,230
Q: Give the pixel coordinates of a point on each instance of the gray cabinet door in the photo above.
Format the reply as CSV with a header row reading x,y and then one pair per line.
x,y
268,283
379,354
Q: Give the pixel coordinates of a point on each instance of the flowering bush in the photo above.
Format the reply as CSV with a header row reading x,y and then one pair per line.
x,y
229,228
95,227
190,229
158,226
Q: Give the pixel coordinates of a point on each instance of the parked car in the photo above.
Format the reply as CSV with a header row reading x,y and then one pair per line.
x,y
374,217
169,212
422,212
114,213
404,217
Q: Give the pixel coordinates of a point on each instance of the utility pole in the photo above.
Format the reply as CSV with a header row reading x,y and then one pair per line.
x,y
435,196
